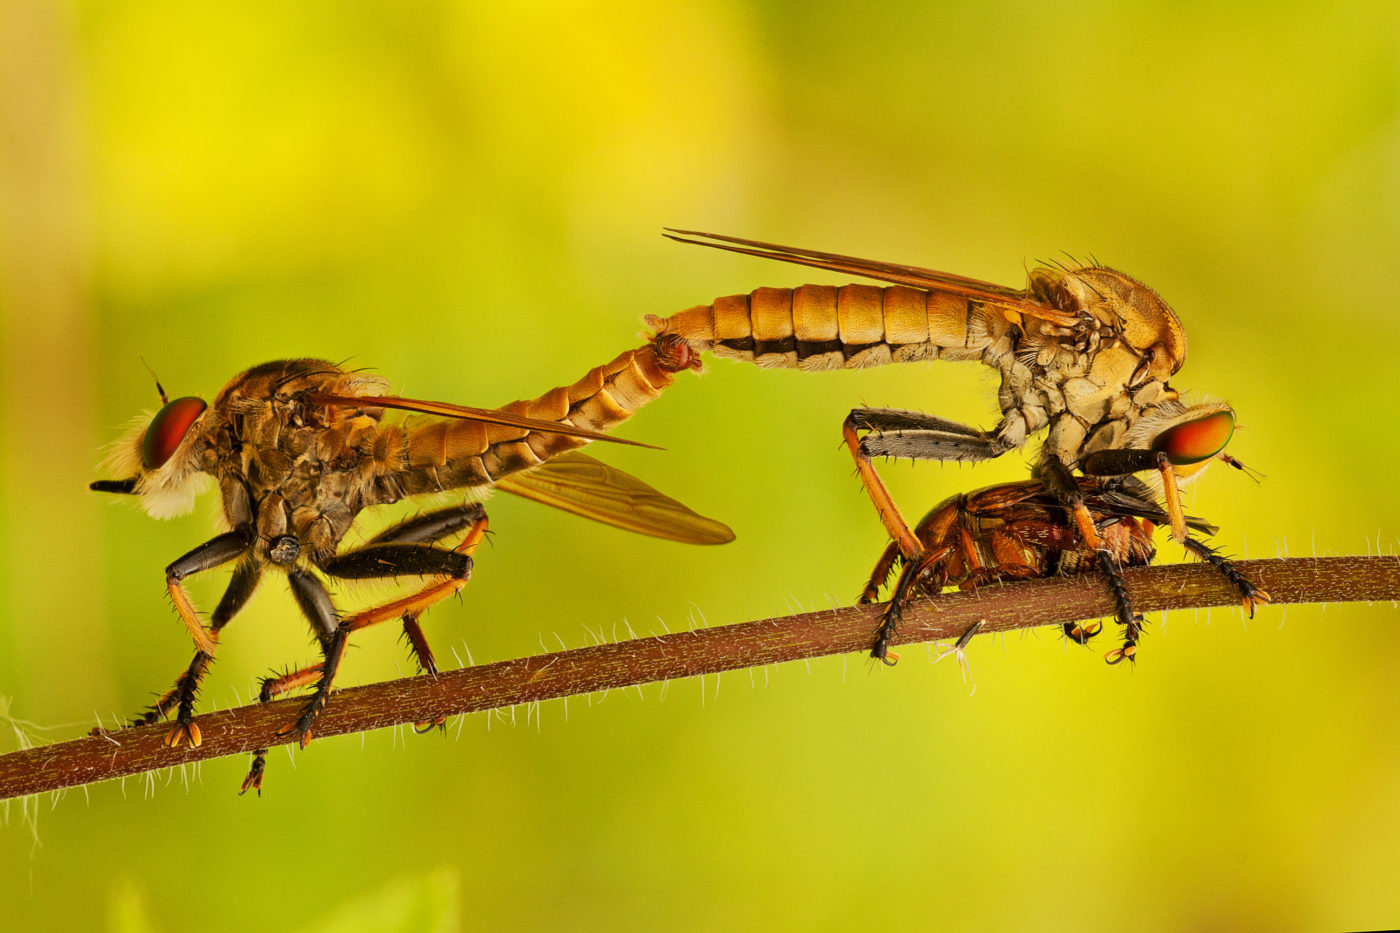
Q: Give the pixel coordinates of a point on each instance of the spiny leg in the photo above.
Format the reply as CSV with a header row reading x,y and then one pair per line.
x,y
904,434
1251,596
427,528
210,554
880,575
890,516
1131,621
911,577
182,696
379,558
1062,484
315,602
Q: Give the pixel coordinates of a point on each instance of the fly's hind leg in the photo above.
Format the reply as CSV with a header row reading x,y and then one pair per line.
x,y
880,575
898,433
918,573
426,529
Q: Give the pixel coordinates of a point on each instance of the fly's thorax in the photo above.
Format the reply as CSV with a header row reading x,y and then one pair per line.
x,y
1122,306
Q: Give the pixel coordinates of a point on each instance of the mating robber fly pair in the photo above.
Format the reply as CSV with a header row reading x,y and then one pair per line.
x,y
299,448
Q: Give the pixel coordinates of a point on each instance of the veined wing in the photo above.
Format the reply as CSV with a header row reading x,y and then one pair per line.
x,y
999,295
577,483
486,415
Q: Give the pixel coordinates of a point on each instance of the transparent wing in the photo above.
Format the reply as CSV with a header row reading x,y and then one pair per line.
x,y
577,483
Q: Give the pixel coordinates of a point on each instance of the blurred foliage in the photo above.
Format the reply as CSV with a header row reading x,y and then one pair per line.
x,y
467,197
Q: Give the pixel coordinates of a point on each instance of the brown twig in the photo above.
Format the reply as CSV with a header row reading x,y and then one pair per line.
x,y
687,654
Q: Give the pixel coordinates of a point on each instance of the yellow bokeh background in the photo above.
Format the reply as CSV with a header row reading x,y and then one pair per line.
x,y
468,198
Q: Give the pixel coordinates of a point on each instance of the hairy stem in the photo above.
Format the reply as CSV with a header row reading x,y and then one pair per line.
x,y
1000,608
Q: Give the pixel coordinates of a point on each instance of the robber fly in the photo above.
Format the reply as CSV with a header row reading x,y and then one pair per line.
x,y
1084,353
299,448
1018,531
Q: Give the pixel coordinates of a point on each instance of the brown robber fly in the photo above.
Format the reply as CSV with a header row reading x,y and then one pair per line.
x,y
1084,353
299,448
1018,531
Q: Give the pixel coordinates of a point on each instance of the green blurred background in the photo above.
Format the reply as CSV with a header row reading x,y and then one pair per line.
x,y
469,200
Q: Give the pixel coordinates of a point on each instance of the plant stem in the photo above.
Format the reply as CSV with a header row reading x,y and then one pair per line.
x,y
1000,608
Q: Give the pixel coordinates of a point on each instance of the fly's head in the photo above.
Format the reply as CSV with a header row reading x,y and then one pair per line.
x,y
160,459
1176,441
1189,438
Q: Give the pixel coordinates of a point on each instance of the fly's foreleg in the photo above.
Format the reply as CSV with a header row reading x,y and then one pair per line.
x,y
210,554
181,697
1251,596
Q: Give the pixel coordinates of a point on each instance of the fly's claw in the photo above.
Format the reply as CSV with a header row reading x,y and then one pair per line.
x,y
1251,596
253,781
1126,653
184,733
1254,599
1080,634
426,726
301,727
1132,632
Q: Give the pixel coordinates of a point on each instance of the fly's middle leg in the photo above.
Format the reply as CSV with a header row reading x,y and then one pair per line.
x,y
395,552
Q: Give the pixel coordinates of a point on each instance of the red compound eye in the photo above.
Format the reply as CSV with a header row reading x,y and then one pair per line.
x,y
168,429
1197,440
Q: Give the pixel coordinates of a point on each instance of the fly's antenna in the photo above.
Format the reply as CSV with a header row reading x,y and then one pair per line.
x,y
1247,471
159,388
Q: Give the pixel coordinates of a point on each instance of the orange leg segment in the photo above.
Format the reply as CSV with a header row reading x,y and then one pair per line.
x,y
889,513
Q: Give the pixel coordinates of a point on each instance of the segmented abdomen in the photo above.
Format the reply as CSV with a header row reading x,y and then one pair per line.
x,y
447,454
827,327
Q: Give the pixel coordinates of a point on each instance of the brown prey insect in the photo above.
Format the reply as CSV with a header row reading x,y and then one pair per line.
x,y
1018,531
299,448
